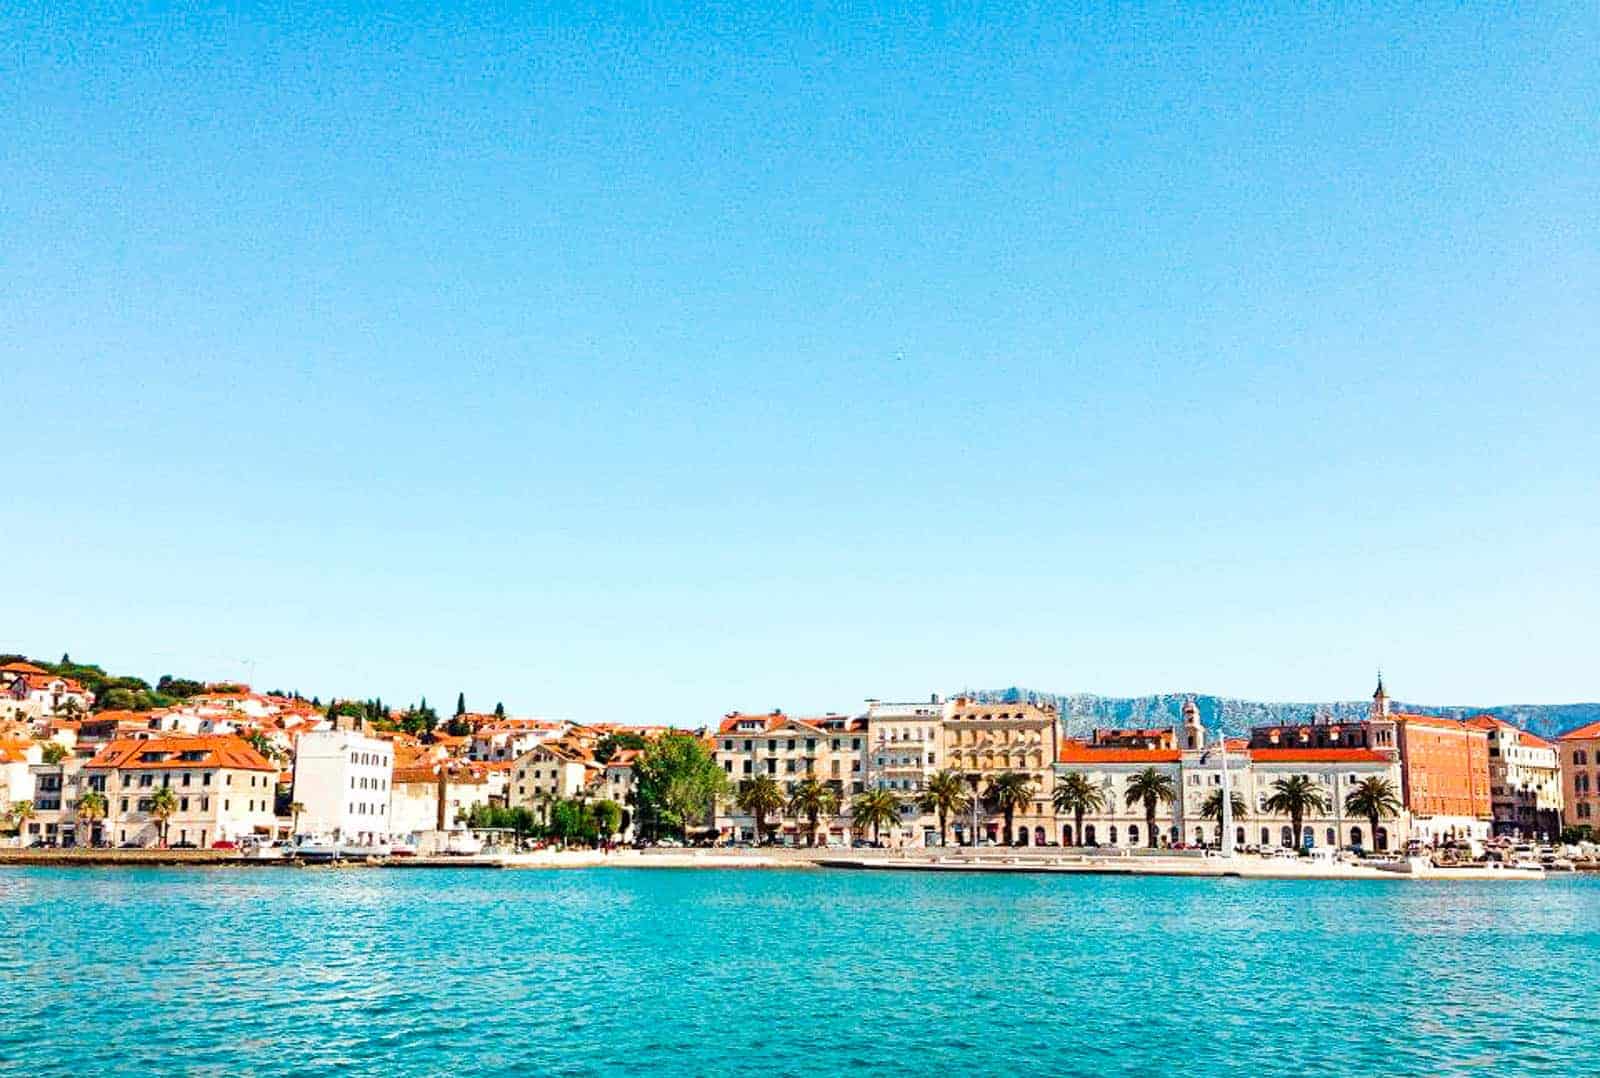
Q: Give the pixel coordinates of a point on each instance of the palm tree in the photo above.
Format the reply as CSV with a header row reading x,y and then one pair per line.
x,y
760,797
1008,792
1375,798
1153,788
813,799
22,812
946,794
1077,795
92,808
1212,808
163,803
1295,796
874,809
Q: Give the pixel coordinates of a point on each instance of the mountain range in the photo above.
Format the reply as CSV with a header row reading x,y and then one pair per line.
x,y
1083,712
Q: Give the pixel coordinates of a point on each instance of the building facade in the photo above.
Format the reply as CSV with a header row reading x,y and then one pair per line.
x,y
1524,781
1580,777
222,789
983,741
342,783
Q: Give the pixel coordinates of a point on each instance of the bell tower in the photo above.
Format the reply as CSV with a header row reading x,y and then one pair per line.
x,y
1194,734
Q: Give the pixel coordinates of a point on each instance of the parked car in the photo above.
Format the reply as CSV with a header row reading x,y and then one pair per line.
x,y
224,844
183,846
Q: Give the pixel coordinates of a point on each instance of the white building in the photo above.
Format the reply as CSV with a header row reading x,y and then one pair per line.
x,y
342,780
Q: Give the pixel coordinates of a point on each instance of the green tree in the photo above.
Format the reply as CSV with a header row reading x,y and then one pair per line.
x,y
1294,797
91,810
461,704
1008,792
163,803
875,809
1211,808
945,795
53,752
607,818
677,782
69,709
812,800
1076,794
760,797
259,741
1152,788
609,745
499,711
21,812
1375,798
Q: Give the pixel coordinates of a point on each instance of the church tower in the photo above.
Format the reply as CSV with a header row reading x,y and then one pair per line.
x,y
1382,730
1380,700
1194,734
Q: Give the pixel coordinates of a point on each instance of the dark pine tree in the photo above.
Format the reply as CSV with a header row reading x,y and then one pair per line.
x,y
461,703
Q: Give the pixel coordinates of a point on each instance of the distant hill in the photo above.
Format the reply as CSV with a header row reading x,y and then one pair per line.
x,y
1082,712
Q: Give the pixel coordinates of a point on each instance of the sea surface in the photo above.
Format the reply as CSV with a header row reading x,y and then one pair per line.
x,y
665,973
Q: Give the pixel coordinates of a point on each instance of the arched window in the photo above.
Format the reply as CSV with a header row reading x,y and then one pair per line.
x,y
1088,835
1133,834
1380,838
1113,834
1038,836
1266,837
1200,836
1332,837
1022,836
1286,836
1066,834
1239,836
1355,836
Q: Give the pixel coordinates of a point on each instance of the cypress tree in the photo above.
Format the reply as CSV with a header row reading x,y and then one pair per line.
x,y
461,703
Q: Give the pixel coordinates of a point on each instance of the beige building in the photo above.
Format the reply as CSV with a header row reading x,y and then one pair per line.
x,y
831,748
1525,792
416,794
1580,777
1109,770
555,770
223,789
983,741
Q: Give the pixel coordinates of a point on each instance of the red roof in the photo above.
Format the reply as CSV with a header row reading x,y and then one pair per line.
x,y
1319,756
21,668
771,721
216,751
1582,733
1076,752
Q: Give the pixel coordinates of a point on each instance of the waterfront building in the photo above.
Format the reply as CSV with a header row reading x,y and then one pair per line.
x,y
342,781
557,770
905,743
1524,781
418,792
831,748
1336,772
1580,776
617,782
222,789
1109,769
983,741
17,755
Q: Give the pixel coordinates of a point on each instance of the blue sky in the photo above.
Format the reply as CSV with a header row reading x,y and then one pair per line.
x,y
644,366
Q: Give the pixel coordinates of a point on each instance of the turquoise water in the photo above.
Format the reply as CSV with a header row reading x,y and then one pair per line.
x,y
668,973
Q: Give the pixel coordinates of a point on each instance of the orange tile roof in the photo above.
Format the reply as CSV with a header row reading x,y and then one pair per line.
x,y
770,721
1582,733
22,668
1319,756
1435,720
14,752
219,751
1076,752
